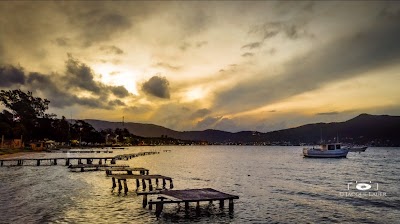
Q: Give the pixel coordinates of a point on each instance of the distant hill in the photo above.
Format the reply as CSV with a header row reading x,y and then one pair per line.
x,y
368,129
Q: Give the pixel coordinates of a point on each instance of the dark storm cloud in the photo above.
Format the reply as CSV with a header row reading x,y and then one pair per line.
x,y
116,102
111,50
342,59
247,54
80,75
119,91
157,86
58,97
200,113
328,113
11,75
62,90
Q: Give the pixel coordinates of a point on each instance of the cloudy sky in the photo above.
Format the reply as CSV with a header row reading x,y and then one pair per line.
x,y
197,65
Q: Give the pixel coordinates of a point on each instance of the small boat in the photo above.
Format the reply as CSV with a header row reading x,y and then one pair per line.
x,y
331,150
357,148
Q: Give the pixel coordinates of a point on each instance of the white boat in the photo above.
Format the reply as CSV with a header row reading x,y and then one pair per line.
x,y
331,150
357,148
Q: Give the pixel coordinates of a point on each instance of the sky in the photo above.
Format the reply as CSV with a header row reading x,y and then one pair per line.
x,y
196,65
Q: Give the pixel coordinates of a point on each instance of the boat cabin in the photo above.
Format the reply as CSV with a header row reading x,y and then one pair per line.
x,y
332,146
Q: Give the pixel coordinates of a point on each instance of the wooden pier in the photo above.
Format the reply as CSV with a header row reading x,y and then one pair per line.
x,y
95,167
81,151
70,160
128,170
133,155
55,161
150,178
189,196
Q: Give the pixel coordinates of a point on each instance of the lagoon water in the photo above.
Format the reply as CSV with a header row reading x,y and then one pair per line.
x,y
275,185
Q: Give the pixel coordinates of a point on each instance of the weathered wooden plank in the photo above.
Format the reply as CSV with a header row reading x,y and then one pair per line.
x,y
134,176
194,195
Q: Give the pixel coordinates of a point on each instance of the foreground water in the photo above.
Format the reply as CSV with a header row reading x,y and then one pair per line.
x,y
275,185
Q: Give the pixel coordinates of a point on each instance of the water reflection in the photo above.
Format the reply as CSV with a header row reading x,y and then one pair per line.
x,y
275,184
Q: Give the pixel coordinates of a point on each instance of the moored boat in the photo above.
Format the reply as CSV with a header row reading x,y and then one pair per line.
x,y
332,150
357,148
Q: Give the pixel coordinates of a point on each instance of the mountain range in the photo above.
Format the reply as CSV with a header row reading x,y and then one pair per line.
x,y
379,130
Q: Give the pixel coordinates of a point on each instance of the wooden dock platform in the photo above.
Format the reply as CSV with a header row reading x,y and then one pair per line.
x,y
128,170
95,167
190,195
157,178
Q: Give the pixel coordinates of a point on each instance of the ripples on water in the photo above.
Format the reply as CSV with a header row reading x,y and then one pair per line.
x,y
275,185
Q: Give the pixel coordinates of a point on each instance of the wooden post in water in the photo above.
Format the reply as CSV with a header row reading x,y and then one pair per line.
x,y
143,184
163,183
221,204
100,162
38,162
125,187
137,184
186,208
156,182
79,161
198,208
2,163
144,200
171,185
55,161
113,184
119,186
151,205
150,185
159,207
230,205
67,162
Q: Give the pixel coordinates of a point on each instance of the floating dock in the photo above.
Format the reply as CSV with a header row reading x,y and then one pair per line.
x,y
187,196
150,178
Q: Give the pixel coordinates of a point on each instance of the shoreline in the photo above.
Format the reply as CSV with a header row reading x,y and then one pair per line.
x,y
17,154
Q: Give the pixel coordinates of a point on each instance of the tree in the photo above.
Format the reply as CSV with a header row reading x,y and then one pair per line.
x,y
26,110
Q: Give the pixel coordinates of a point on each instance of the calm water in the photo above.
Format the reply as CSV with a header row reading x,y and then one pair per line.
x,y
275,185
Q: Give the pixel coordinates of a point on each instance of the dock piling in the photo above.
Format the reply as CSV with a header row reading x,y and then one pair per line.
x,y
114,185
137,184
144,200
119,186
230,205
125,187
143,184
